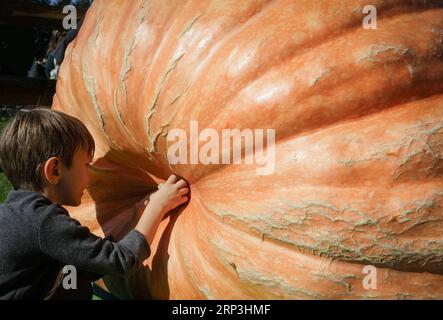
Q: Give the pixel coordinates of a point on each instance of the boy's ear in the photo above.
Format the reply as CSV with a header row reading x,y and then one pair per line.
x,y
52,170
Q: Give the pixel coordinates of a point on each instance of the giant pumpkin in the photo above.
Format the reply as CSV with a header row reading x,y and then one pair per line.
x,y
358,119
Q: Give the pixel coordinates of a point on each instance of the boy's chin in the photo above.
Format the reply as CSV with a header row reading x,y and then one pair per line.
x,y
73,203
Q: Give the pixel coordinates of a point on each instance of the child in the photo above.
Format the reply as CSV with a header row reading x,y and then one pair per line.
x,y
45,154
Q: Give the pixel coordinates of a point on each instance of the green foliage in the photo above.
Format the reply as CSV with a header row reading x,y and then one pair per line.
x,y
2,124
5,185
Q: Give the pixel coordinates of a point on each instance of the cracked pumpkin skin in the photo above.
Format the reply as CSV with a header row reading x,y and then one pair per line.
x,y
358,116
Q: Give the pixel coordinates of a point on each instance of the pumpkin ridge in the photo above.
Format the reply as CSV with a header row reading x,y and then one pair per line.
x,y
392,109
247,235
125,69
350,80
90,82
320,41
158,54
408,261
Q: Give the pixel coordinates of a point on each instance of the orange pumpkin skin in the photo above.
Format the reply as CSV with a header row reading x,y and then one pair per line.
x,y
358,116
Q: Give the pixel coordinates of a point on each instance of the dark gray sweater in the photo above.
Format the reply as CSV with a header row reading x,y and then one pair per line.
x,y
38,237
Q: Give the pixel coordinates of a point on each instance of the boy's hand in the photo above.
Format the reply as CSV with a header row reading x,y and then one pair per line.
x,y
170,195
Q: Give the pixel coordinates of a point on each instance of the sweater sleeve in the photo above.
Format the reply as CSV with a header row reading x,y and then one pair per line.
x,y
65,240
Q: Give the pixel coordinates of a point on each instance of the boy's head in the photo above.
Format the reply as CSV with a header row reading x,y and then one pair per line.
x,y
47,151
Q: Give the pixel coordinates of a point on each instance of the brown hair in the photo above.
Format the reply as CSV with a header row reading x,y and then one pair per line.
x,y
33,136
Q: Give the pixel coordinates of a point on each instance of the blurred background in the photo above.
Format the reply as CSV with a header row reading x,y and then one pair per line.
x,y
32,46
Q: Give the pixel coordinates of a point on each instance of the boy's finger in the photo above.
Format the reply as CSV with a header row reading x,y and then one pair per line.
x,y
184,190
181,183
172,178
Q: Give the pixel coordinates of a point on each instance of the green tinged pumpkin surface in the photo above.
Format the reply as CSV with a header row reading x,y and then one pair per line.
x,y
358,116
